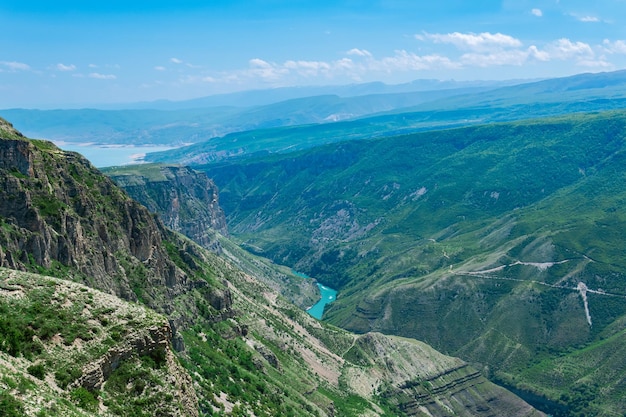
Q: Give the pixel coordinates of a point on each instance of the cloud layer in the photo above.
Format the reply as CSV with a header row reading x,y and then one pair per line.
x,y
453,52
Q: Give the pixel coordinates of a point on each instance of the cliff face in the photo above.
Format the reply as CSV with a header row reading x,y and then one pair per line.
x,y
186,200
61,214
419,381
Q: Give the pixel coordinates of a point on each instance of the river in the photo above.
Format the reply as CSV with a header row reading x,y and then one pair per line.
x,y
327,295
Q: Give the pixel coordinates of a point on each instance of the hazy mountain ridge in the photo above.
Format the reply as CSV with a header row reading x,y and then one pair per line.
x,y
197,124
246,349
559,96
483,234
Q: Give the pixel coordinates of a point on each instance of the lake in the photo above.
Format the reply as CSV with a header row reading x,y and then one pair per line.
x,y
102,156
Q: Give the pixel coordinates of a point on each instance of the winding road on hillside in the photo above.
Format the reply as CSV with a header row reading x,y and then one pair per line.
x,y
580,288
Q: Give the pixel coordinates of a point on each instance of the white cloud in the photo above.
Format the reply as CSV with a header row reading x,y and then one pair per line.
x,y
591,63
472,41
535,53
63,67
15,66
510,57
267,71
616,47
467,51
92,66
589,19
176,61
409,61
566,49
99,76
159,68
345,63
308,68
359,52
195,79
537,12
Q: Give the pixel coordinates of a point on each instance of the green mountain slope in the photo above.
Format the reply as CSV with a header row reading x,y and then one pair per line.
x,y
500,243
245,349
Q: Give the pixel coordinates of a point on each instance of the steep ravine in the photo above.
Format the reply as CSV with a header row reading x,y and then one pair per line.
x,y
373,365
247,349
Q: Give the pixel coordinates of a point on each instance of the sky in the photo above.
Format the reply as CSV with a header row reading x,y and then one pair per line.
x,y
73,53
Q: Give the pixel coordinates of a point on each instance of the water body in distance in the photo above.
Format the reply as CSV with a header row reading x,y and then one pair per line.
x,y
328,295
111,155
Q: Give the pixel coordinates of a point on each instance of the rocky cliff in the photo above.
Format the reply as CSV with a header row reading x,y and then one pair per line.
x,y
420,381
61,216
186,200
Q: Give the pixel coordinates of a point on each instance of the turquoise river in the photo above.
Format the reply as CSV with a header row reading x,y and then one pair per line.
x,y
327,295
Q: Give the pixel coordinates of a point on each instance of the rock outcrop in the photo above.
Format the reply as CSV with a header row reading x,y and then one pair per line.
x,y
113,340
186,200
150,341
419,381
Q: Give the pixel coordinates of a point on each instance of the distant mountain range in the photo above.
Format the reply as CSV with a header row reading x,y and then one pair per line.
x,y
192,121
581,93
423,104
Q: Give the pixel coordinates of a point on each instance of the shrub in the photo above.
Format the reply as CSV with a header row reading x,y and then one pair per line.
x,y
38,371
85,399
65,376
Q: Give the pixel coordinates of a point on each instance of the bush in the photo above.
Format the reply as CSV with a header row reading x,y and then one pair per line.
x,y
65,376
38,371
85,399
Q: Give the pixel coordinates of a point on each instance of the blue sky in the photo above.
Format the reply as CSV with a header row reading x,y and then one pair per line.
x,y
71,53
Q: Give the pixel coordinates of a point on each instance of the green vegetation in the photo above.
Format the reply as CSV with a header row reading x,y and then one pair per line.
x,y
9,406
403,225
84,399
52,327
246,349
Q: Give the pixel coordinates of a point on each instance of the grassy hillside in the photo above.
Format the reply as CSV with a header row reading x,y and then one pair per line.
x,y
498,243
58,345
